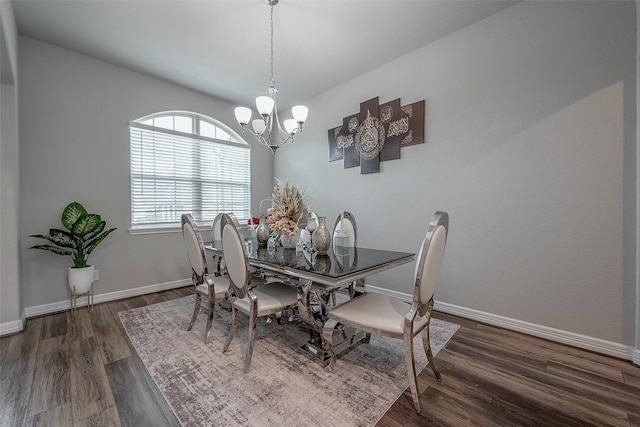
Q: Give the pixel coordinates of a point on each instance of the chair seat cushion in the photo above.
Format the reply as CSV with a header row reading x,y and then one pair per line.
x,y
272,297
220,285
376,312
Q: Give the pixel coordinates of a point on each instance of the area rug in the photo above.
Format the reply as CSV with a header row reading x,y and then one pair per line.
x,y
205,387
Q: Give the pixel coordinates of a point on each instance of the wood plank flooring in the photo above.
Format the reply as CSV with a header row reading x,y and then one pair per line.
x,y
86,373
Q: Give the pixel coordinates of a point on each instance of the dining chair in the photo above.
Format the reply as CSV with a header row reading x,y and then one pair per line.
x,y
346,223
391,317
265,300
218,260
216,236
205,285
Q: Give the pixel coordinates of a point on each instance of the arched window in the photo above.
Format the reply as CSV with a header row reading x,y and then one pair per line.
x,y
183,162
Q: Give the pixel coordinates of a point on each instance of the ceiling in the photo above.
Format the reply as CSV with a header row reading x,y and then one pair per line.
x,y
221,47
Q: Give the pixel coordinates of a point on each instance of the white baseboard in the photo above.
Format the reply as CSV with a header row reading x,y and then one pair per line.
x,y
54,307
581,341
11,327
597,345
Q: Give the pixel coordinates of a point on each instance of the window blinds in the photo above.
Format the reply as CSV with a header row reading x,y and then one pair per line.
x,y
174,173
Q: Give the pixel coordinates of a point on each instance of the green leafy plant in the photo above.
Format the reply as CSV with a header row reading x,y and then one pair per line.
x,y
84,232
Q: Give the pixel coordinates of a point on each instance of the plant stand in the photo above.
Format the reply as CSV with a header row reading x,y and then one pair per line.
x,y
74,301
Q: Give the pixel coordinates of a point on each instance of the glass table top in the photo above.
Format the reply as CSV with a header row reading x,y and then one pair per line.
x,y
346,262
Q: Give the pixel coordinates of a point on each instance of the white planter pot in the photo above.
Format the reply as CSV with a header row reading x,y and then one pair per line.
x,y
80,279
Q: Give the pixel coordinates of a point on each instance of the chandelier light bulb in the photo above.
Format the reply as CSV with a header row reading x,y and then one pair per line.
x,y
243,115
300,113
290,125
264,104
259,126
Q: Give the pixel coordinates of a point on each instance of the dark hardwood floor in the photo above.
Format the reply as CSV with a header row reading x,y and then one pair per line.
x,y
85,373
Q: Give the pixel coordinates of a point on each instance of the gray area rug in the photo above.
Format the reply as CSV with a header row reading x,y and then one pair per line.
x,y
206,387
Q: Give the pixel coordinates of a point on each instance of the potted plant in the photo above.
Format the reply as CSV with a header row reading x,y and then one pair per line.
x,y
84,232
287,214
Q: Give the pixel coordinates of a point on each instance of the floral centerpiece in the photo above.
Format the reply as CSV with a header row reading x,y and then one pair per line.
x,y
288,211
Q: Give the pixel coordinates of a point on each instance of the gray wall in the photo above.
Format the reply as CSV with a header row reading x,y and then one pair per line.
x,y
531,147
637,356
530,128
74,141
11,305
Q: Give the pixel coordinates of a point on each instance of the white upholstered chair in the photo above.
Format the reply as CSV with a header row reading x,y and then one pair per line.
x,y
218,260
386,316
346,226
204,284
270,298
216,226
216,236
346,223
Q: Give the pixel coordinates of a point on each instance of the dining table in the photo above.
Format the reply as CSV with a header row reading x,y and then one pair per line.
x,y
317,276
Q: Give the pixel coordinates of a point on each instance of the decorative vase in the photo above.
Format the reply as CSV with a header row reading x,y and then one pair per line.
x,y
80,279
321,239
262,253
288,258
288,241
322,264
262,233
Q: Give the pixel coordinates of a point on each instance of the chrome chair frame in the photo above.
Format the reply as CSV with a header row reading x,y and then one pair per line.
x,y
245,298
420,310
203,283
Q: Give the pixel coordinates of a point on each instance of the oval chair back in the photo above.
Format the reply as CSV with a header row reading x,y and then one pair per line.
x,y
349,225
430,260
235,256
216,226
195,247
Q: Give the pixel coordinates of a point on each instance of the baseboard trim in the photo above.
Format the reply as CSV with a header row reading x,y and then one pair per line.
x,y
597,345
581,341
40,310
12,327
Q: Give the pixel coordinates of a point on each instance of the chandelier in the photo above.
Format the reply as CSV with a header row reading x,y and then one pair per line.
x,y
264,130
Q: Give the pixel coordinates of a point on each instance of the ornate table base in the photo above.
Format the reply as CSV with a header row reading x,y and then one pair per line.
x,y
312,306
317,348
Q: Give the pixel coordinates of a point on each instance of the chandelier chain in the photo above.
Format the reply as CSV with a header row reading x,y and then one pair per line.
x,y
273,79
